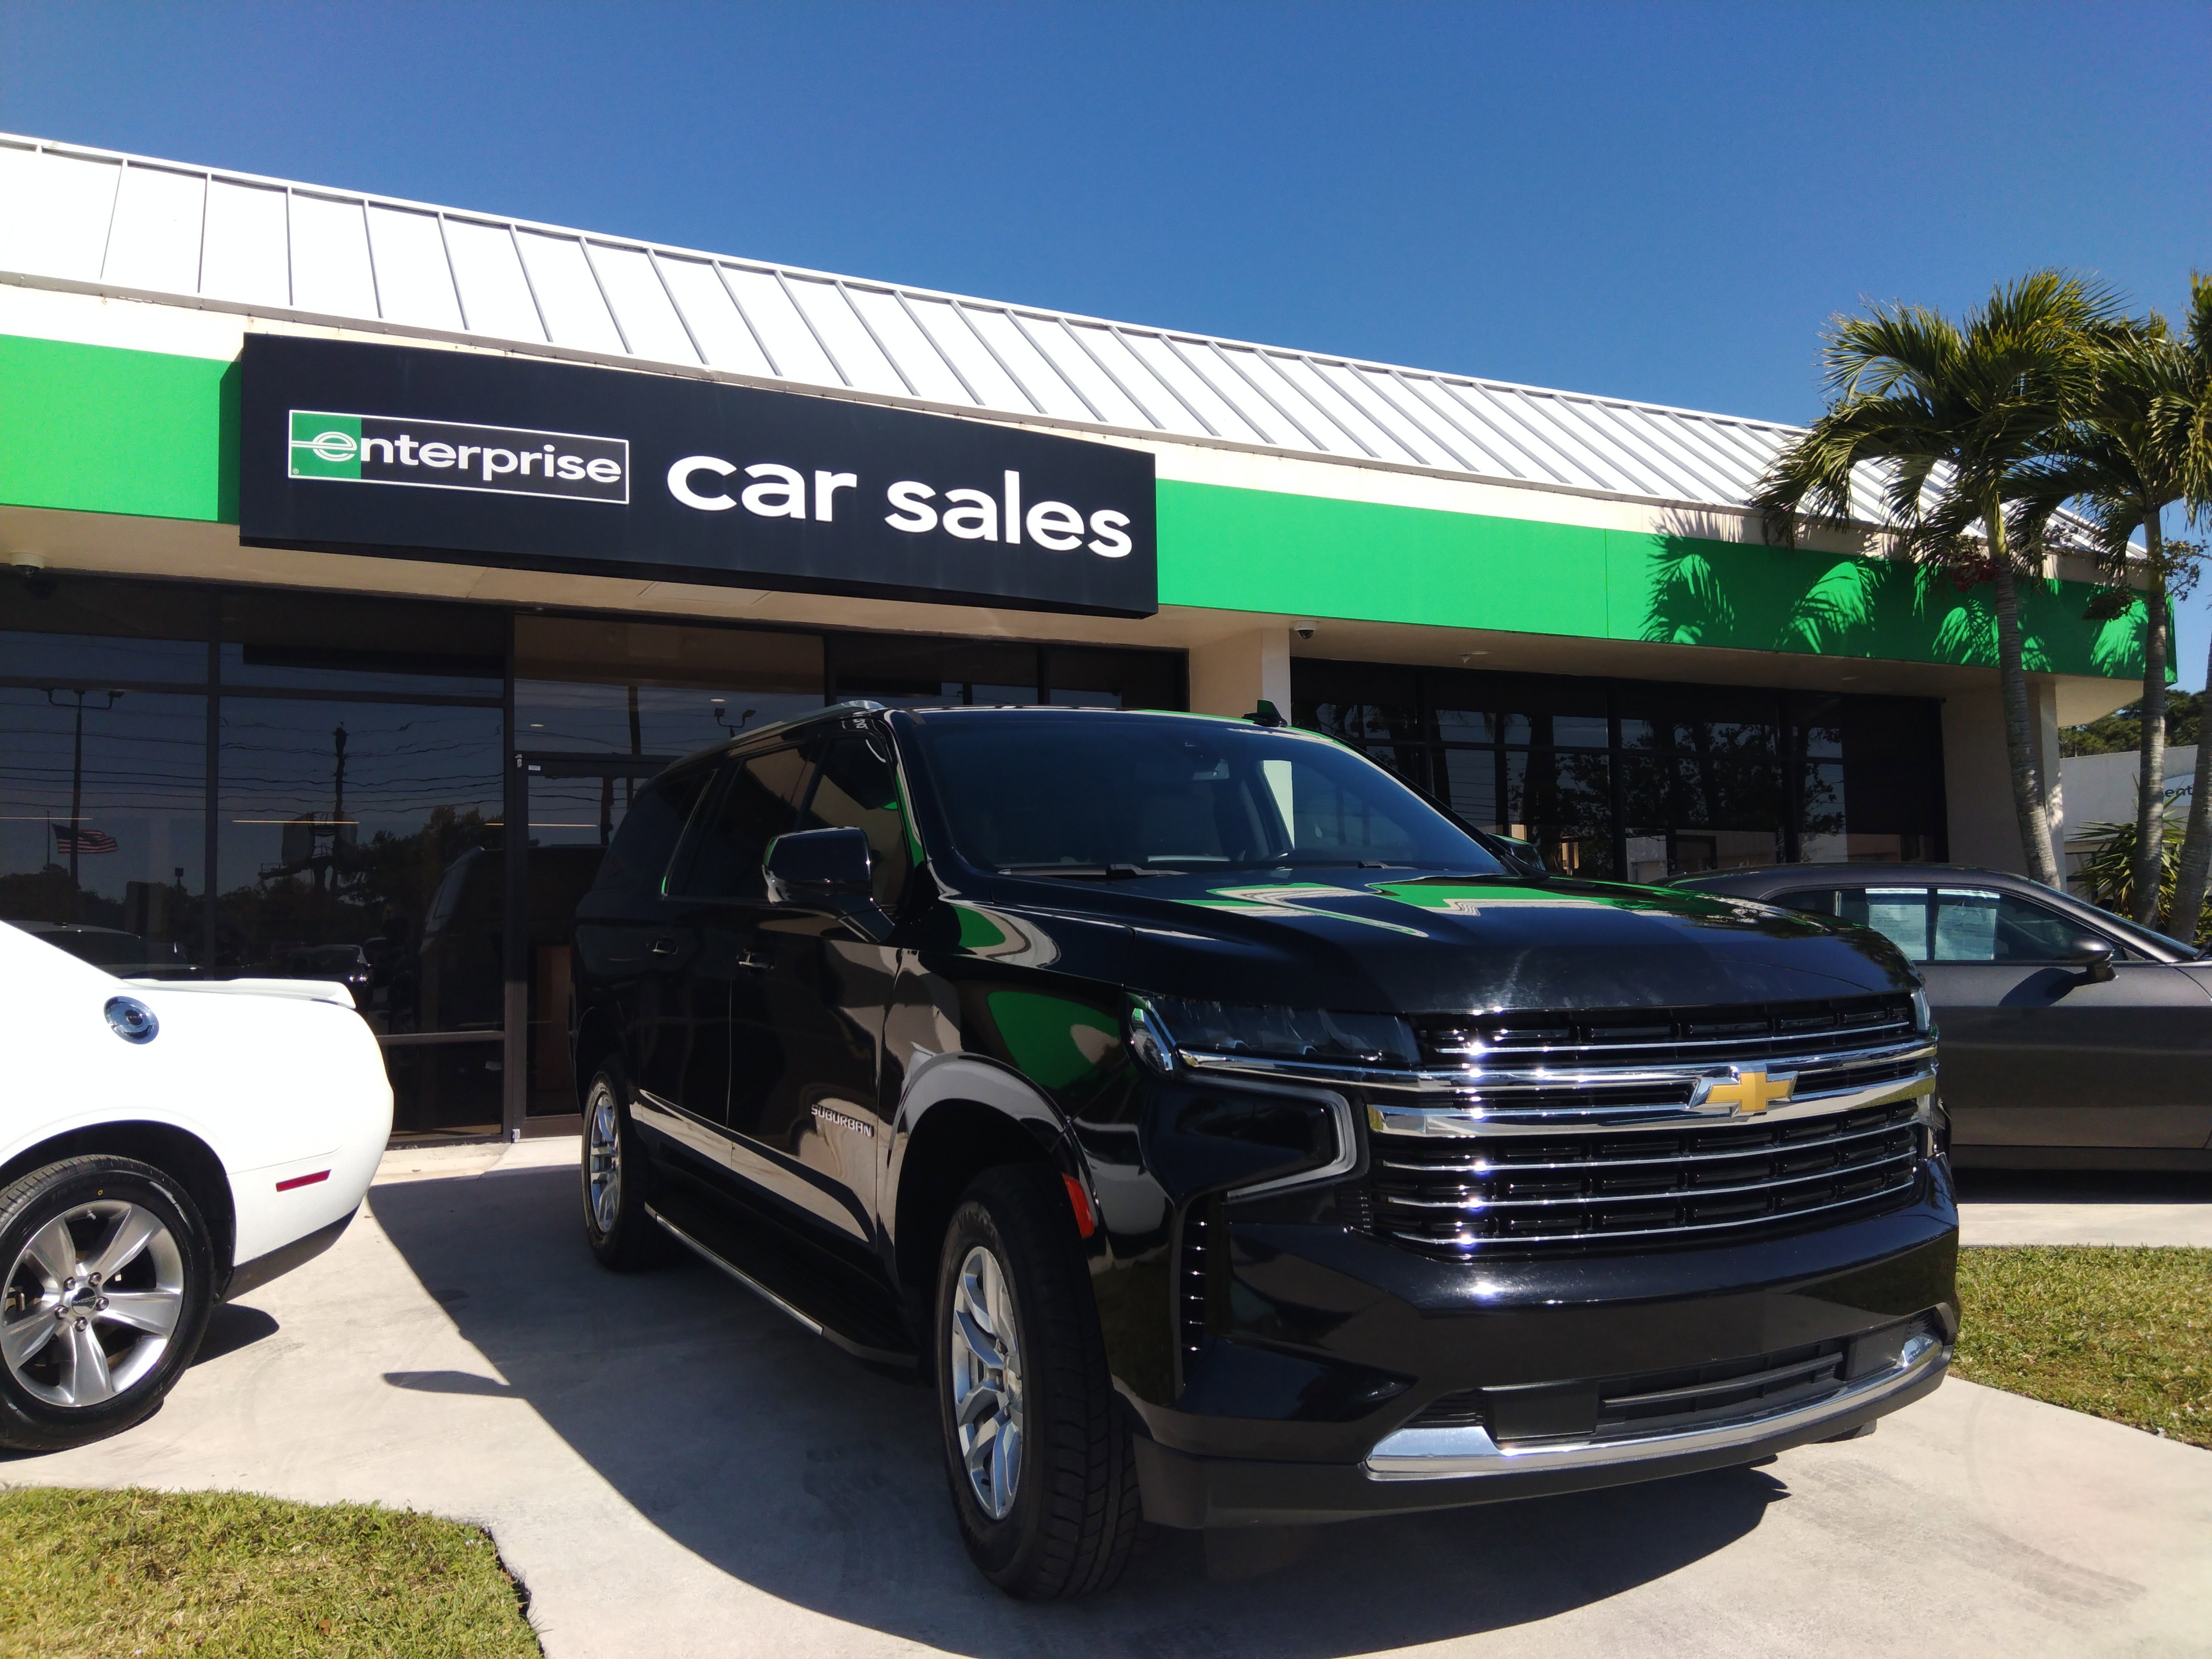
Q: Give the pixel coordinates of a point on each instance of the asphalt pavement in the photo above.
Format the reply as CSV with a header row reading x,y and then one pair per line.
x,y
673,1468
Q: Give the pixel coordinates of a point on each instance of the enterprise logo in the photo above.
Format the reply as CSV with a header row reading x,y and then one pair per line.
x,y
504,460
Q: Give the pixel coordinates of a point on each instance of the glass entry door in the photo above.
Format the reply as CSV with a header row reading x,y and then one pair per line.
x,y
572,804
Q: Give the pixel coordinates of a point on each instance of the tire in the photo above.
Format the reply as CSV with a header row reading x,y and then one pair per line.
x,y
83,1357
1056,1514
615,1187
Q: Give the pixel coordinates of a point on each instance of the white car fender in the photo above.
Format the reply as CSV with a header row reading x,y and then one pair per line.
x,y
288,1089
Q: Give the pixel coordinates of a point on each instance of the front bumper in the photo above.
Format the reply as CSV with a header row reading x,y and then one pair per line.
x,y
1341,1375
1444,1469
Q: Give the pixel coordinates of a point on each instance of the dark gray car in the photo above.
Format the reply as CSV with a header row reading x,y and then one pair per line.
x,y
2070,1036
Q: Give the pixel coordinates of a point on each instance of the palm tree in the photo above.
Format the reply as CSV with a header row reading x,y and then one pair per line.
x,y
2195,427
2125,462
1955,413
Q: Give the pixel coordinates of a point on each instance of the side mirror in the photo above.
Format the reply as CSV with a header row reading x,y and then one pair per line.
x,y
817,865
2093,957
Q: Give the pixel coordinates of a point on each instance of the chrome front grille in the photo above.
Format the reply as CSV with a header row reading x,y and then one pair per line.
x,y
1463,1195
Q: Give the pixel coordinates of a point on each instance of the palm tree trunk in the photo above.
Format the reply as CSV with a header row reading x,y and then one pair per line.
x,y
2028,796
2150,778
2196,848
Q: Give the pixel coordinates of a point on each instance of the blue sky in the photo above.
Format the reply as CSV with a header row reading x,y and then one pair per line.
x,y
1652,201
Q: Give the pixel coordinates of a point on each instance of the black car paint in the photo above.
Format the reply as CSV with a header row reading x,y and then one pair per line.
x,y
2045,1064
991,1009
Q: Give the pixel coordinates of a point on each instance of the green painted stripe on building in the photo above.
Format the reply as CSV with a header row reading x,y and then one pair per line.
x,y
101,429
1230,549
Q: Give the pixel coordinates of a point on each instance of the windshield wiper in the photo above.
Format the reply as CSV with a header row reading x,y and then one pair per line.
x,y
1080,871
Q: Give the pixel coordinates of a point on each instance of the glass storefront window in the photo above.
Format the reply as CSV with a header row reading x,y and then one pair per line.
x,y
103,823
111,632
309,642
916,673
652,689
1647,780
348,831
1869,774
1077,677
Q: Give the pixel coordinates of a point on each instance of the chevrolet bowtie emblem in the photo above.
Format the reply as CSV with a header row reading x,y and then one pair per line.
x,y
1751,1093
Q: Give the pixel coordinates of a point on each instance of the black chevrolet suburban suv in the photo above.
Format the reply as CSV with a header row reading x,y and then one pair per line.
x,y
1233,1137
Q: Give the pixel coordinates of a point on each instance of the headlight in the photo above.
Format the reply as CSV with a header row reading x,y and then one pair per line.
x,y
1165,1025
1924,1018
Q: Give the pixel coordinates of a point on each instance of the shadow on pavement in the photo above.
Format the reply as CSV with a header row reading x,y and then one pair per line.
x,y
773,1457
1982,1186
230,1327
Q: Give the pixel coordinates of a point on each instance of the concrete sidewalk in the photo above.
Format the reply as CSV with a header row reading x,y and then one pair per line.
x,y
674,1468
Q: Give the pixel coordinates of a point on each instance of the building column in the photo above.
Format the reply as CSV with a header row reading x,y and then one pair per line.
x,y
1984,829
1229,676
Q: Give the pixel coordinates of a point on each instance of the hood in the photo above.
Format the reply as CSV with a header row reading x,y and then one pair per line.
x,y
1369,941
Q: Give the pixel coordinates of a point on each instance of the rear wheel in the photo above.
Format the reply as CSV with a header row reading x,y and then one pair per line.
x,y
1043,1478
617,1174
109,1278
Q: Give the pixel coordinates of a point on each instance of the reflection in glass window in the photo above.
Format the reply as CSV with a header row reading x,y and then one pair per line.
x,y
360,841
927,673
103,823
1708,777
1561,802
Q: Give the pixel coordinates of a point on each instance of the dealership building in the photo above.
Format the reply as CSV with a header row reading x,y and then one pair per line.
x,y
362,556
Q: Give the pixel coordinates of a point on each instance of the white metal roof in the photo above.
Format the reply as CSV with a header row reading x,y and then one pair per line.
x,y
133,224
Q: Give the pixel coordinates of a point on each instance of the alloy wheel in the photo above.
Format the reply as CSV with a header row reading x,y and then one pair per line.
x,y
91,1303
603,1160
987,1382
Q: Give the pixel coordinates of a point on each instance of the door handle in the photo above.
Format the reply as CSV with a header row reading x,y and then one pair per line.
x,y
664,947
751,959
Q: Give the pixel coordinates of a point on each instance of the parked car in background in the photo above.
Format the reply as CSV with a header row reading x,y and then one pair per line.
x,y
163,1146
1235,1138
2070,1037
340,964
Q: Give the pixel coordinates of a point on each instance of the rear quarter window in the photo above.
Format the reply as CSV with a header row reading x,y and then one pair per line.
x,y
638,855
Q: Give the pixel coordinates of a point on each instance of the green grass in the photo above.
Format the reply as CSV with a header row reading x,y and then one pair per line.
x,y
127,1573
2123,1333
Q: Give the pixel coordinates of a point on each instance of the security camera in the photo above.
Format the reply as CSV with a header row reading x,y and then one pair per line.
x,y
1304,631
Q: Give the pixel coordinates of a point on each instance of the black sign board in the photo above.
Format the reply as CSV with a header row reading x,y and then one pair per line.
x,y
359,448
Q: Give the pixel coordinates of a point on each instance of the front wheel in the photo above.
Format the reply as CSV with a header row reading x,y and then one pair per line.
x,y
1044,1481
617,1177
109,1278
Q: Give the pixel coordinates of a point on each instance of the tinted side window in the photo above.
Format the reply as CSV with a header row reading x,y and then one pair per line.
x,y
637,858
856,787
756,803
1899,914
1976,925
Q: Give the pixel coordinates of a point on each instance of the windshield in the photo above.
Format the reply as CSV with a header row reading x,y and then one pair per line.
x,y
1107,794
2135,933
